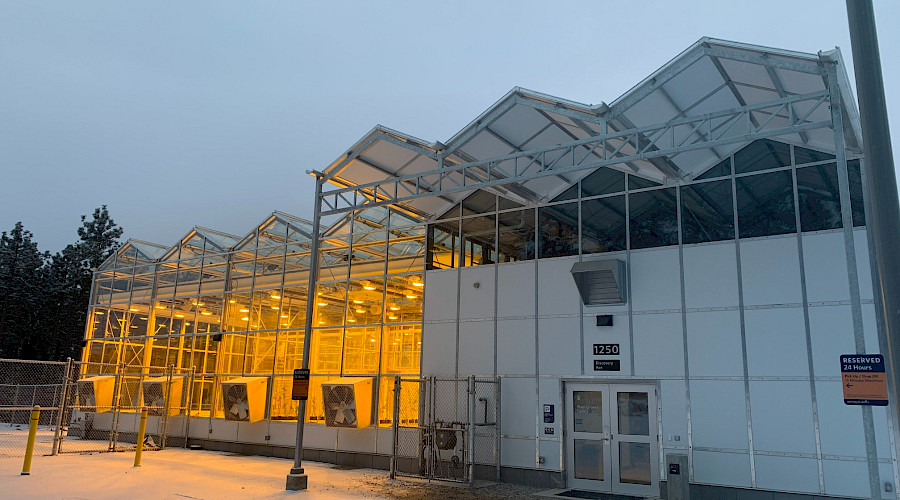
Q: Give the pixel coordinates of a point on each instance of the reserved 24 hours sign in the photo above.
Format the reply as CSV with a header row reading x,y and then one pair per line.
x,y
864,380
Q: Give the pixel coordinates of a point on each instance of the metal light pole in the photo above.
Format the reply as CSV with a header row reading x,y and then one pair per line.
x,y
297,480
882,207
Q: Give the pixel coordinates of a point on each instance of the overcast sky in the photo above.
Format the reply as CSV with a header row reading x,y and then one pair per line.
x,y
183,113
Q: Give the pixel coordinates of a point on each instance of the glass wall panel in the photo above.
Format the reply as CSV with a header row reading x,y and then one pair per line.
x,y
331,301
635,182
237,311
479,202
402,218
334,257
188,278
142,287
409,403
265,309
603,225
707,212
368,254
819,197
138,318
121,285
293,308
283,407
315,411
289,353
762,154
443,245
116,324
97,323
603,181
402,348
856,193
209,314
722,169
241,274
479,243
406,250
325,358
804,155
404,298
268,271
361,350
162,317
765,204
559,230
296,268
568,194
517,235
231,358
654,218
165,281
364,300
103,287
260,358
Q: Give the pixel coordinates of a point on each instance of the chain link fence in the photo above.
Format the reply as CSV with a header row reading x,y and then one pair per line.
x,y
23,385
454,435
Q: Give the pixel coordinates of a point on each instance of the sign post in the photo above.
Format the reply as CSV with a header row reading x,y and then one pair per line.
x,y
864,380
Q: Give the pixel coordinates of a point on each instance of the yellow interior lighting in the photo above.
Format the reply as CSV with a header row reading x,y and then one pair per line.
x,y
245,310
99,313
275,296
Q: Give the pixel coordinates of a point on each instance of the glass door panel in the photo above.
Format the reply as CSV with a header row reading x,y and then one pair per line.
x,y
588,424
634,435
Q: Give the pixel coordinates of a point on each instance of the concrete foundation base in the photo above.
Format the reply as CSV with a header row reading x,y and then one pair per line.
x,y
296,480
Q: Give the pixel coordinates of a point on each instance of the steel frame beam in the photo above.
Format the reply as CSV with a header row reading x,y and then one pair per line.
x,y
652,141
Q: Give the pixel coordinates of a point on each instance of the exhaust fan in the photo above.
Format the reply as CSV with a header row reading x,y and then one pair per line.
x,y
348,402
96,393
244,399
154,391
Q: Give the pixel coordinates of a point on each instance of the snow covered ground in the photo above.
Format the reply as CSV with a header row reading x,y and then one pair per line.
x,y
185,474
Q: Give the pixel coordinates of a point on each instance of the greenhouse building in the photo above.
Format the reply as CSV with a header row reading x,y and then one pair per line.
x,y
638,298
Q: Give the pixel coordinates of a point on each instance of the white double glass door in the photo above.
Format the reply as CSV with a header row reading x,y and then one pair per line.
x,y
611,438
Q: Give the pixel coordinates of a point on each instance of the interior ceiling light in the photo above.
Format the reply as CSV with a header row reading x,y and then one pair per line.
x,y
245,318
368,285
284,315
159,306
357,301
245,310
232,301
417,283
275,296
351,320
99,313
394,308
206,313
179,315
410,294
392,317
321,304
144,318
133,309
274,307
361,311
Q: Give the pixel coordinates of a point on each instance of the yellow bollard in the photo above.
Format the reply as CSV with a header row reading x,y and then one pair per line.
x,y
32,432
140,438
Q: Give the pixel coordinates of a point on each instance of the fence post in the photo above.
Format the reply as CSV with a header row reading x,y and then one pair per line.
x,y
142,428
497,395
395,426
32,432
471,431
187,405
166,406
61,407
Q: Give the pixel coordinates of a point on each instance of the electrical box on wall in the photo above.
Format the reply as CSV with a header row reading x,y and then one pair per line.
x,y
604,320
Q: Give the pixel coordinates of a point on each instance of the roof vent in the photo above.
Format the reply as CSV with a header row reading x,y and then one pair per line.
x,y
600,282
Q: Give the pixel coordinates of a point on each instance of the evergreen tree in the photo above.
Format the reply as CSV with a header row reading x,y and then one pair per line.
x,y
21,277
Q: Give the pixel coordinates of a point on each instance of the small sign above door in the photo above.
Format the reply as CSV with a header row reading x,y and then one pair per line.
x,y
607,365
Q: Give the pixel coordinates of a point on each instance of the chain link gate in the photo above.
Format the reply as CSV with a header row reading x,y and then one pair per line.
x,y
446,429
23,385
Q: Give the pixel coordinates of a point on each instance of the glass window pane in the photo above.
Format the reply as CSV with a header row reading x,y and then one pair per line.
x,y
720,170
765,205
635,182
138,316
404,298
589,459
762,155
331,301
856,193
260,358
819,197
479,242
283,407
504,203
559,230
654,218
603,225
368,254
406,250
232,349
443,245
479,202
707,212
361,350
568,194
364,302
516,235
634,463
325,357
293,308
209,314
334,257
603,181
633,413
237,312
265,310
587,411
402,345
804,155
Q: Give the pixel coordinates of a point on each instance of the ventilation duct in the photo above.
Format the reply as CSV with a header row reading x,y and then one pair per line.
x,y
600,282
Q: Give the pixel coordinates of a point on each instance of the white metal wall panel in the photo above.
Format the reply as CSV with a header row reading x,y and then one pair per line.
x,y
840,425
360,440
284,433
882,436
551,394
440,296
616,334
770,269
825,262
673,401
782,416
515,347
517,415
831,334
655,280
710,276
517,453
714,344
476,302
776,342
718,414
224,430
863,267
476,348
787,473
658,344
870,328
559,346
552,457
439,349
252,432
515,289
730,469
319,436
557,293
846,478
